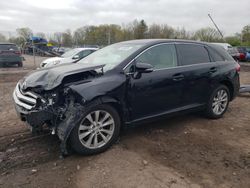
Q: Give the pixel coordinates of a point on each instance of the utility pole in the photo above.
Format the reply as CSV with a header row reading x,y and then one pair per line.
x,y
109,36
215,25
34,56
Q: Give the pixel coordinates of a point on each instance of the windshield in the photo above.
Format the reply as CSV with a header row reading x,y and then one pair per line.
x,y
111,55
70,53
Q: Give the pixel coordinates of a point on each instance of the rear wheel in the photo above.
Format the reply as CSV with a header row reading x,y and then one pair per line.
x,y
97,131
218,102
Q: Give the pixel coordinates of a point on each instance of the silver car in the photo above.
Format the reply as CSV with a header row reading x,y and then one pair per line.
x,y
70,56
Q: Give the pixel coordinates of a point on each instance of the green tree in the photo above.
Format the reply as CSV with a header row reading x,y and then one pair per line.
x,y
140,29
79,36
67,39
167,32
155,31
246,35
233,40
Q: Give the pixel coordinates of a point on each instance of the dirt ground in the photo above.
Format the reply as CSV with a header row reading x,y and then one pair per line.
x,y
186,151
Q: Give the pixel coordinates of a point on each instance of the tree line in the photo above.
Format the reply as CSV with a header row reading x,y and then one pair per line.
x,y
105,34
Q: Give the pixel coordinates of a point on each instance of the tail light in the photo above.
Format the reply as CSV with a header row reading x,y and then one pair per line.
x,y
237,67
17,52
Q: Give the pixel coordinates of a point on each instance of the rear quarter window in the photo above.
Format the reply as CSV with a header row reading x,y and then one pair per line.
x,y
189,54
219,54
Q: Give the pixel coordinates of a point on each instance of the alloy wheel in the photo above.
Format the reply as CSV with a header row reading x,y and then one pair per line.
x,y
96,129
220,102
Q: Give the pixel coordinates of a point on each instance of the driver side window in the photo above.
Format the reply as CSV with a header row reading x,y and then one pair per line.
x,y
160,57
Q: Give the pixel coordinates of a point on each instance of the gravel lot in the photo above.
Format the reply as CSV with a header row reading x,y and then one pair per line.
x,y
186,151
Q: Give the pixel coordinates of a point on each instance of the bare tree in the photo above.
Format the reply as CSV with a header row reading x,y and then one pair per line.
x,y
24,32
2,38
41,34
208,34
58,37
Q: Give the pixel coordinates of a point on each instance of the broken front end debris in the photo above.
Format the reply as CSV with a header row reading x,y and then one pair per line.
x,y
45,98
59,109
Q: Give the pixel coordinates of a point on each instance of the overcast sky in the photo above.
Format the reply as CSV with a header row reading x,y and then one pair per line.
x,y
57,15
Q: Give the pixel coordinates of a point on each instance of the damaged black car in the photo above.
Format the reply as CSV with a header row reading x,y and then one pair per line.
x,y
87,103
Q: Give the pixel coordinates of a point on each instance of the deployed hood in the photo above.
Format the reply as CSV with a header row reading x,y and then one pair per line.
x,y
50,78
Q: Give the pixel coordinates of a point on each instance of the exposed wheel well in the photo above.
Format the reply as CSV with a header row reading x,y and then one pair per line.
x,y
229,86
118,108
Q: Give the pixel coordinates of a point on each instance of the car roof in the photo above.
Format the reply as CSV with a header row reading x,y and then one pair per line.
x,y
6,43
87,48
156,41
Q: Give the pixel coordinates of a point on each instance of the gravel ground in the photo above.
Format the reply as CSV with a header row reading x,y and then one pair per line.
x,y
185,151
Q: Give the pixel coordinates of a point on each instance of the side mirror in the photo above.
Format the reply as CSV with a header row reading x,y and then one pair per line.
x,y
76,57
143,68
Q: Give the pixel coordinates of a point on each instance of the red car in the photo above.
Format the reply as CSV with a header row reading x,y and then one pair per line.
x,y
242,53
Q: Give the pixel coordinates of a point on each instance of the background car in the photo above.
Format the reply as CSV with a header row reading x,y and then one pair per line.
x,y
234,53
243,52
70,56
10,55
226,46
60,50
248,55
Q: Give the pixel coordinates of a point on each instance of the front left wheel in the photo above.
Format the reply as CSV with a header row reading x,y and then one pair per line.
x,y
97,131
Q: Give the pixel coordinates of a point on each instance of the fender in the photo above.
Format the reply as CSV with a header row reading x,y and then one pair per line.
x,y
97,91
113,86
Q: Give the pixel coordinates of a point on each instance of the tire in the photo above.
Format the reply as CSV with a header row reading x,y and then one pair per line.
x,y
83,132
221,101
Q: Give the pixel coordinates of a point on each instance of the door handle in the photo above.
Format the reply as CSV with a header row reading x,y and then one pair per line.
x,y
178,77
213,70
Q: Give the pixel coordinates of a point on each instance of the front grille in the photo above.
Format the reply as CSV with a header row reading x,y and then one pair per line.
x,y
26,100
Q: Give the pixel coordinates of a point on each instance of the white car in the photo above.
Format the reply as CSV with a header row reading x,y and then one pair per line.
x,y
226,46
68,57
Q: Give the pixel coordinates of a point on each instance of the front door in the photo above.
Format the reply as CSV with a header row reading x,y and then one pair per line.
x,y
158,91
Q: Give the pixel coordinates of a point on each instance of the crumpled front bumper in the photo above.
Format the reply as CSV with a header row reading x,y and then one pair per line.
x,y
25,105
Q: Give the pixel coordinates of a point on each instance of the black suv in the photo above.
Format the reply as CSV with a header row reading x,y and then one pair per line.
x,y
86,103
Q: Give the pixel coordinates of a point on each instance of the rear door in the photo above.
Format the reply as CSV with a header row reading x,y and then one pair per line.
x,y
198,70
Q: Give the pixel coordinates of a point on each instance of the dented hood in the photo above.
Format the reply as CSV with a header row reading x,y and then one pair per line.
x,y
50,78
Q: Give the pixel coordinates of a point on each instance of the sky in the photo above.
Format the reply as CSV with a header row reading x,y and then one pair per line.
x,y
50,16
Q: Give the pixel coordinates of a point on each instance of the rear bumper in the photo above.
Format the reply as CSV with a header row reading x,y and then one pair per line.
x,y
13,60
236,85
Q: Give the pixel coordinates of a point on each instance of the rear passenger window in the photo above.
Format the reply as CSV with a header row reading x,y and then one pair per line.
x,y
192,54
